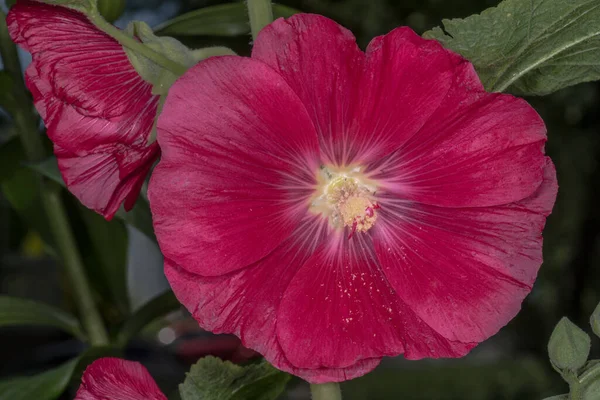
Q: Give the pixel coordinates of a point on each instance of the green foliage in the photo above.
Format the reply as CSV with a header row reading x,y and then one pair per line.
x,y
214,379
155,308
569,346
111,10
559,397
529,47
45,386
220,20
595,320
7,97
85,6
19,312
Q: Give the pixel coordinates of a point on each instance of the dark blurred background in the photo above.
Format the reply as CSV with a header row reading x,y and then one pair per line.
x,y
511,365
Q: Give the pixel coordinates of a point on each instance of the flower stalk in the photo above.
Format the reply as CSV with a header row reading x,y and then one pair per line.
x,y
326,391
261,15
26,123
135,45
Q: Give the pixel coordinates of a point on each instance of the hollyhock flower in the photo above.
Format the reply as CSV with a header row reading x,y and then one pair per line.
x,y
98,111
331,206
117,379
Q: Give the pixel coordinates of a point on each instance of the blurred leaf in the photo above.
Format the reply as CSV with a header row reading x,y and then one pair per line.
x,y
569,346
45,386
220,20
10,3
111,10
12,156
139,217
592,390
529,47
22,190
159,306
49,169
23,312
109,240
7,98
559,397
595,320
214,379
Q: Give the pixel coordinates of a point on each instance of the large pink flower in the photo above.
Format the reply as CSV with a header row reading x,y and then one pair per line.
x,y
331,207
116,379
98,111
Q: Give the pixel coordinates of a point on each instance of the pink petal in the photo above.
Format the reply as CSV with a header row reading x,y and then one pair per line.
x,y
465,271
92,101
477,149
363,107
321,62
245,302
238,166
116,379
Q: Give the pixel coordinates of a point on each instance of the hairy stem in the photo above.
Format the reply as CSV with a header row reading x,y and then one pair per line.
x,y
25,121
326,391
261,15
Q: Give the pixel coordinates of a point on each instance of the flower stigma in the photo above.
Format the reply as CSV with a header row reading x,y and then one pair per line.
x,y
346,197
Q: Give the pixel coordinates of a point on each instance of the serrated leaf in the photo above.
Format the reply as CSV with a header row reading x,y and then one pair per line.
x,y
569,346
220,20
595,320
45,386
15,311
529,47
214,379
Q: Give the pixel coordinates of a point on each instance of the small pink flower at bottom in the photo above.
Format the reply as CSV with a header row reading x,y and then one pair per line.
x,y
331,207
97,110
117,379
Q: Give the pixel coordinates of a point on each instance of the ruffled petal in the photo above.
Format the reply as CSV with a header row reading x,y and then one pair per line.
x,y
339,309
477,149
464,272
92,102
117,379
238,166
322,63
245,302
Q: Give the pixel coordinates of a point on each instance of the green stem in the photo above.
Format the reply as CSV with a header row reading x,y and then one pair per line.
x,y
326,391
261,15
26,123
135,45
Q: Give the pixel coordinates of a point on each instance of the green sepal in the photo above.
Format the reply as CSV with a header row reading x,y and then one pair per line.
x,y
569,346
111,10
85,6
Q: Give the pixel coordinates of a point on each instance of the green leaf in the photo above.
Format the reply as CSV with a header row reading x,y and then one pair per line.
x,y
139,217
529,47
109,241
12,156
10,3
7,98
19,312
595,320
220,20
111,10
158,307
49,169
45,386
214,379
559,397
84,6
569,346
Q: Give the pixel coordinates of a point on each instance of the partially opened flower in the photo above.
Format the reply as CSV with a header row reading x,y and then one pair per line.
x,y
97,109
117,379
331,207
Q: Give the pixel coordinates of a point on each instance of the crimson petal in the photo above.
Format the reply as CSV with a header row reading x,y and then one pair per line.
x,y
237,168
96,107
116,379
